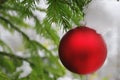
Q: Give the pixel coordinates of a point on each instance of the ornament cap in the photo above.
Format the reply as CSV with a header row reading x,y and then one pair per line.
x,y
83,23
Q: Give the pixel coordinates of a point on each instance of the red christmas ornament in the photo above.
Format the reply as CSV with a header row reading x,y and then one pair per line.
x,y
82,50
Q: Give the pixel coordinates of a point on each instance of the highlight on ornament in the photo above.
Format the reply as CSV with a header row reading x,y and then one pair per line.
x,y
82,50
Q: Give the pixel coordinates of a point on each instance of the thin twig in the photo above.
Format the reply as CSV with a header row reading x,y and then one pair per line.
x,y
14,56
40,9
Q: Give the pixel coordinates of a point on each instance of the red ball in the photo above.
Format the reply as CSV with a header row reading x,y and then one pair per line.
x,y
82,50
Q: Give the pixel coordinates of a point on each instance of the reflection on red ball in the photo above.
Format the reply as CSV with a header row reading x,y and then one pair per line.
x,y
82,50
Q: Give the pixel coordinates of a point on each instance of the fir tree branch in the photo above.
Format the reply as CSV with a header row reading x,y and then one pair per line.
x,y
14,27
24,35
16,57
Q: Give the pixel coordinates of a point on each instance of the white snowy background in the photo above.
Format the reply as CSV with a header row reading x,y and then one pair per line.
x,y
101,15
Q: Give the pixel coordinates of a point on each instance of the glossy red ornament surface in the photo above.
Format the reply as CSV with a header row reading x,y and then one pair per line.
x,y
82,50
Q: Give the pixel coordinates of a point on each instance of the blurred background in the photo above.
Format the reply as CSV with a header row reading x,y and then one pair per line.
x,y
30,32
